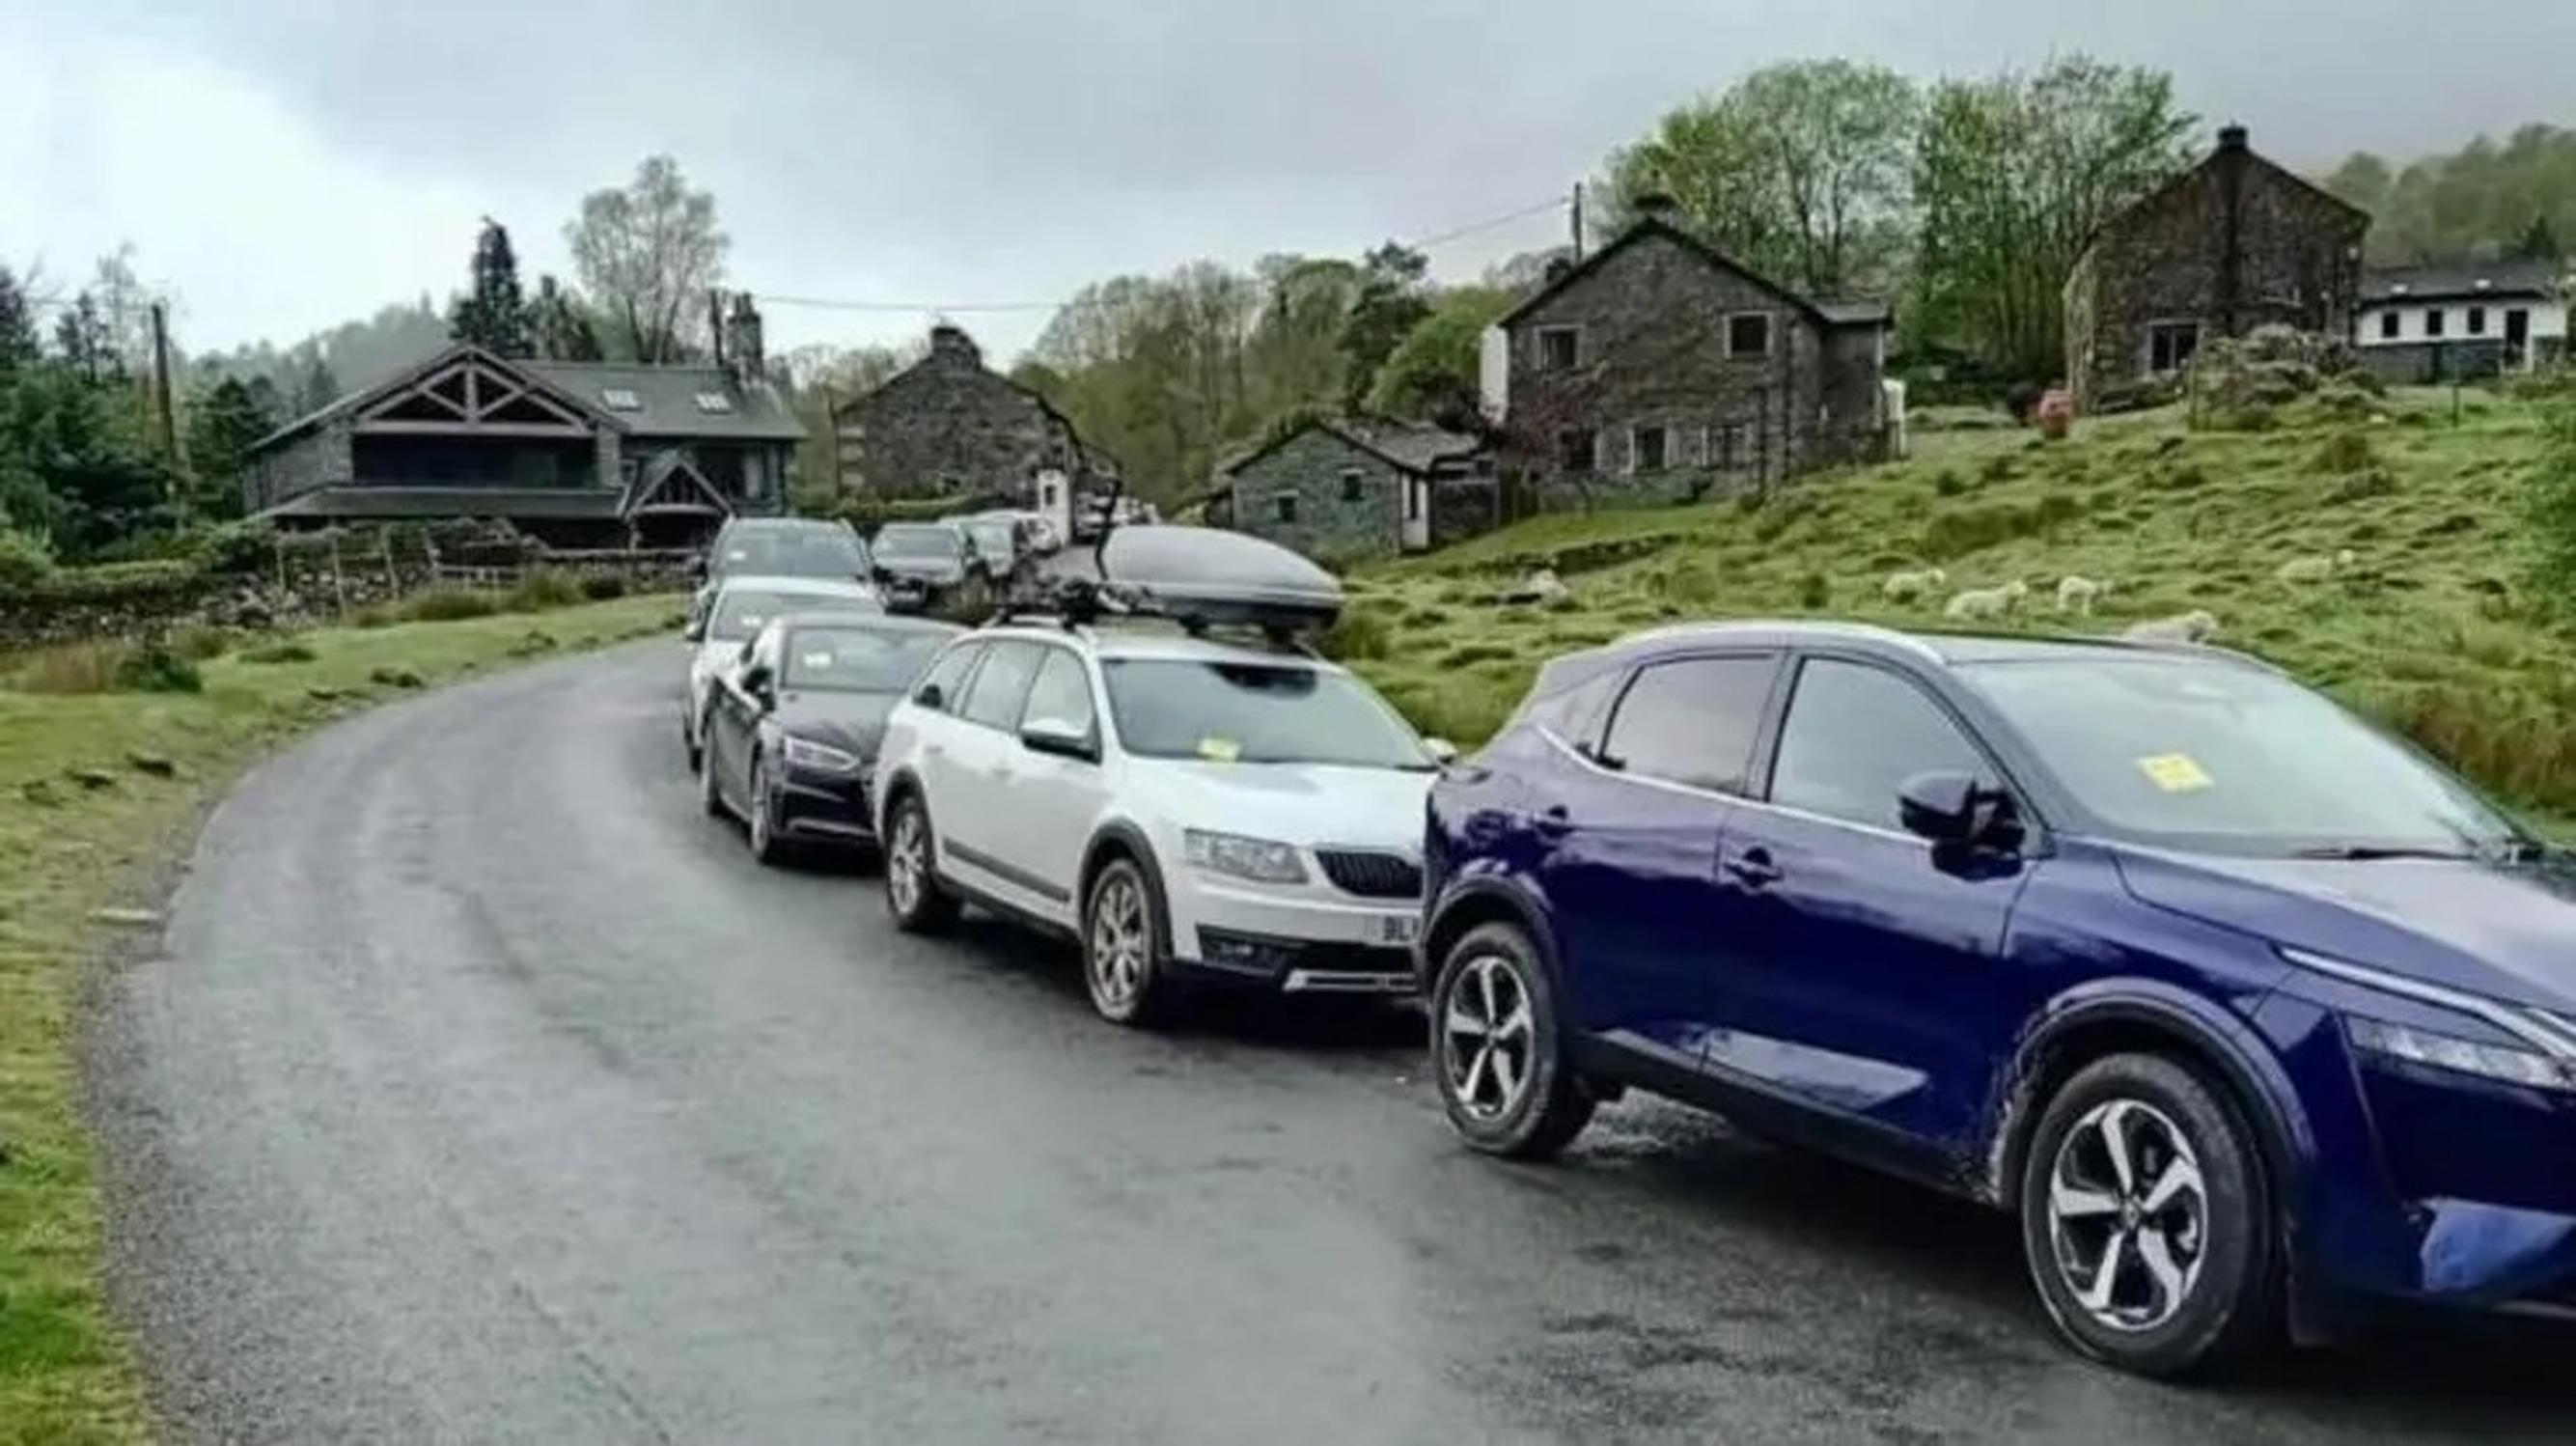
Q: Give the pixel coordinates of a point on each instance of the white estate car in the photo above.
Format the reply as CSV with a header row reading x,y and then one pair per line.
x,y
735,613
1189,809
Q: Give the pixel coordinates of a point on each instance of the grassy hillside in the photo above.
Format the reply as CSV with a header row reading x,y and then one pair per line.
x,y
97,789
2431,627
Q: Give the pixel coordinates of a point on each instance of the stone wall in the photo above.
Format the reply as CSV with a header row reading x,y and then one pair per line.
x,y
1329,525
1462,507
949,426
2235,244
318,458
1651,350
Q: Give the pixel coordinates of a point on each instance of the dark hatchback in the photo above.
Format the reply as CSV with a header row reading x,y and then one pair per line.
x,y
2247,1010
792,733
924,566
778,547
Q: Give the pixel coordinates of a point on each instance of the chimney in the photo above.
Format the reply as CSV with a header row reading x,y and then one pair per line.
x,y
743,340
1556,268
716,325
2231,137
948,339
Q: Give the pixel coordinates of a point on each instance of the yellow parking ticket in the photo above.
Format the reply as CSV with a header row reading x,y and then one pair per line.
x,y
2175,772
1220,750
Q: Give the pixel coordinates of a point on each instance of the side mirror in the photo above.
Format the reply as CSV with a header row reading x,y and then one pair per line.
x,y
757,682
929,696
1954,808
1442,751
694,631
1055,736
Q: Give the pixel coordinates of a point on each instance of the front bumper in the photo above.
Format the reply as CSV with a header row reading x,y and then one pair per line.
x,y
1294,941
824,810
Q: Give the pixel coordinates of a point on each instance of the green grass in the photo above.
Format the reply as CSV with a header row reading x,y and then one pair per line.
x,y
97,789
2433,629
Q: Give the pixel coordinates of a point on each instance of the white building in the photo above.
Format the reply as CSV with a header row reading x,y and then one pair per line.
x,y
2461,319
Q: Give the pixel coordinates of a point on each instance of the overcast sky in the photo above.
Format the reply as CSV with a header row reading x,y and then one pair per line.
x,y
283,165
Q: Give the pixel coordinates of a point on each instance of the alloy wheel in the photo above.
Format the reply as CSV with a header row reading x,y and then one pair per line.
x,y
1488,1038
2128,1215
1121,942
905,861
757,787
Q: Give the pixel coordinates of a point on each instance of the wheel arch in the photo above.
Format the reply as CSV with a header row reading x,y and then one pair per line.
x,y
1116,839
1472,903
900,784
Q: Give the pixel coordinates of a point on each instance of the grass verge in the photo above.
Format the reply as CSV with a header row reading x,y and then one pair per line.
x,y
97,789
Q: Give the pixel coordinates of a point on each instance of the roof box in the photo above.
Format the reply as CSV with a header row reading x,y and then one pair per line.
x,y
1213,577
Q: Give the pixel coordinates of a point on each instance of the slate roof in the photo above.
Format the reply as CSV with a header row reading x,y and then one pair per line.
x,y
669,396
2459,280
381,502
1408,446
1650,225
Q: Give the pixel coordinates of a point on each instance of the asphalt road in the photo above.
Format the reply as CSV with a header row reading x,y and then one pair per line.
x,y
481,1090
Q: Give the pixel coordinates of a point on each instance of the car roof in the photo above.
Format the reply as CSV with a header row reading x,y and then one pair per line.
x,y
789,582
873,621
1941,649
785,524
1161,643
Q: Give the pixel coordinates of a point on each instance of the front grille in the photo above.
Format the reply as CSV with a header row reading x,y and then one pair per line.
x,y
1370,874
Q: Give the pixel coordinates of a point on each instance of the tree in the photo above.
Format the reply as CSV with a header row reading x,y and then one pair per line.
x,y
2540,242
18,344
1389,304
2483,200
493,314
560,324
82,339
1800,171
316,389
223,421
2014,174
74,466
1433,372
647,254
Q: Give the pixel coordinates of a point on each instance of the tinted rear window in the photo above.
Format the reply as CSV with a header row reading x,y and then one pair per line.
x,y
1692,721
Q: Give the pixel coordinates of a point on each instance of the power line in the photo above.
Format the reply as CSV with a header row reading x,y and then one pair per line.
x,y
960,307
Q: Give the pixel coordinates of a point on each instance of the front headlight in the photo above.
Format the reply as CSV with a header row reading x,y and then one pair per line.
x,y
2463,1056
815,757
1258,859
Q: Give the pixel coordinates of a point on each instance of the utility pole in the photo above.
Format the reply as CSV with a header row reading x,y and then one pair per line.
x,y
161,381
1574,217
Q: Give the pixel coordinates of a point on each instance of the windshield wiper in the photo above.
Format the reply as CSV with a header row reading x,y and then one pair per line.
x,y
2358,853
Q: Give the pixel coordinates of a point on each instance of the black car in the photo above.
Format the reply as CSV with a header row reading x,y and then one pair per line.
x,y
929,566
779,547
791,734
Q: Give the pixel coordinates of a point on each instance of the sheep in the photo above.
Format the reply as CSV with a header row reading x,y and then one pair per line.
x,y
2196,626
2077,594
1910,586
1986,602
2315,569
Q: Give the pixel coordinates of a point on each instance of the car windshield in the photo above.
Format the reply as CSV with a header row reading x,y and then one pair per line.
x,y
935,542
1255,713
992,537
743,610
857,659
792,552
2220,757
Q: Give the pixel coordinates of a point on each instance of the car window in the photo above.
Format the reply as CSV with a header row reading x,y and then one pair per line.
x,y
743,611
993,698
1062,693
1852,737
854,659
1247,712
947,673
1692,721
819,550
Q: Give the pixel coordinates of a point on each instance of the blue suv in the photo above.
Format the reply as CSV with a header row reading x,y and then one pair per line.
x,y
2247,1010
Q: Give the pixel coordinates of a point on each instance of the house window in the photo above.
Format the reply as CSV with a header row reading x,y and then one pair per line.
x,y
1413,490
1748,334
2477,321
1351,479
2432,321
1558,347
1646,449
2171,345
621,399
714,403
1283,508
1574,449
2388,324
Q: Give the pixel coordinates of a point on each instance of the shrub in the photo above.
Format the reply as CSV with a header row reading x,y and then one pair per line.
x,y
199,642
1948,483
1358,634
25,561
237,547
154,668
1815,591
87,667
542,589
603,586
450,604
289,650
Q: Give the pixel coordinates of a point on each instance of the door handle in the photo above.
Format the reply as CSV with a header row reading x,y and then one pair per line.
x,y
1553,823
1754,869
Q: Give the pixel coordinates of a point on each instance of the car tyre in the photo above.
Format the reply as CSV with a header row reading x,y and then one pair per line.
x,y
760,818
710,794
2141,1167
689,744
1126,954
1498,1050
914,896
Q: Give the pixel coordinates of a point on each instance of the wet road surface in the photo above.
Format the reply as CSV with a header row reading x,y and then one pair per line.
x,y
483,1090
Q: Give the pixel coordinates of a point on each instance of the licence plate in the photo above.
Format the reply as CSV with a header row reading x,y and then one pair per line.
x,y
1396,928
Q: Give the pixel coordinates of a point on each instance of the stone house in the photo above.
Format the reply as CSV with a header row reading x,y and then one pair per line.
x,y
948,426
1661,370
1347,488
2461,319
2234,243
579,454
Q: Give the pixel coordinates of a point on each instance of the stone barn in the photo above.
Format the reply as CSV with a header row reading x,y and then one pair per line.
x,y
949,426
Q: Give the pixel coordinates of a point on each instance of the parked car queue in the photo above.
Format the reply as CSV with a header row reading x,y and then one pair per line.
x,y
2253,1016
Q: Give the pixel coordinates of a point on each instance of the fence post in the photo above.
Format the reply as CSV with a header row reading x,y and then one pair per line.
x,y
339,585
385,550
